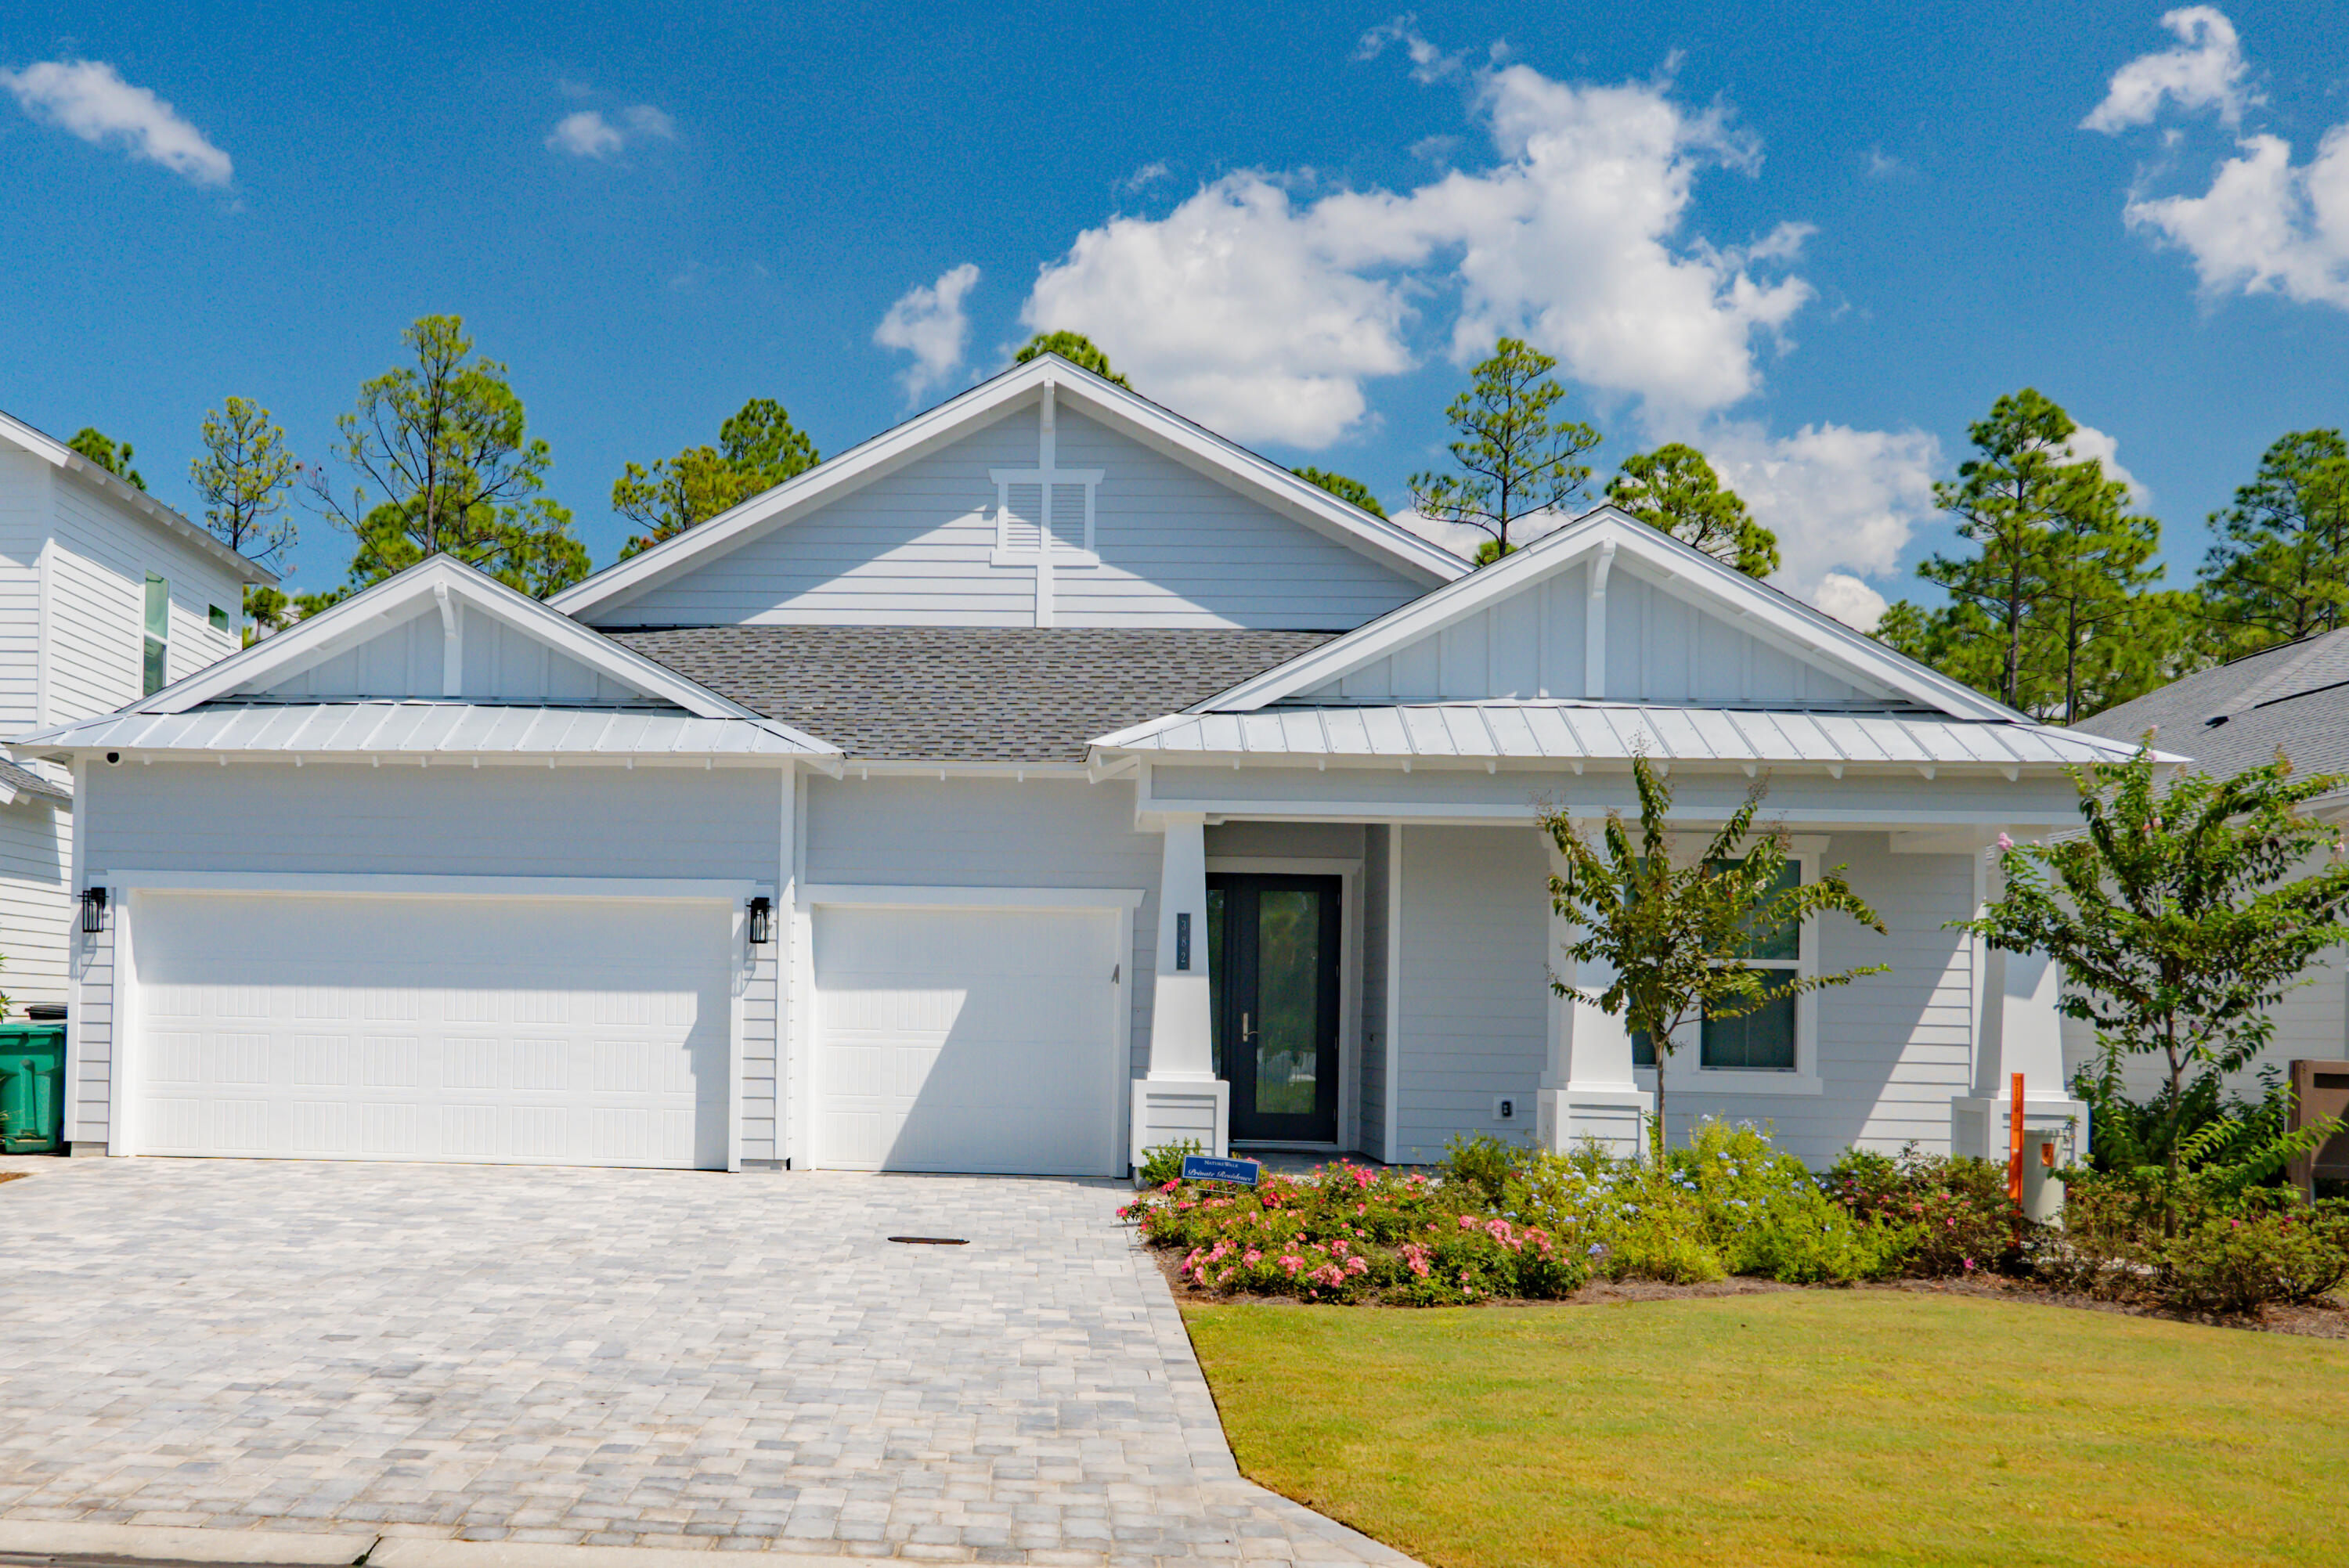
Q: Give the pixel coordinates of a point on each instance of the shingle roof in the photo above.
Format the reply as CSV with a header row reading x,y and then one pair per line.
x,y
967,693
25,781
2235,716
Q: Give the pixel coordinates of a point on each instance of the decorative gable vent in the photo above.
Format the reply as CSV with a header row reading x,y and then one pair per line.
x,y
1044,515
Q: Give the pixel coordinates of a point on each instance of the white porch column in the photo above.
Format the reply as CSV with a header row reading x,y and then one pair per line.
x,y
1181,1097
2016,1030
1588,1086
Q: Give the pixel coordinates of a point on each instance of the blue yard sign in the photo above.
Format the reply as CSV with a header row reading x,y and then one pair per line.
x,y
1208,1168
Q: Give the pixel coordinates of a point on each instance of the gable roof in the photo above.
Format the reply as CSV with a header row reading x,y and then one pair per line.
x,y
2238,714
1757,609
443,580
1008,693
49,449
1122,410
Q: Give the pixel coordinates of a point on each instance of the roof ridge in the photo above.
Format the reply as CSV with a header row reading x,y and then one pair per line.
x,y
2271,686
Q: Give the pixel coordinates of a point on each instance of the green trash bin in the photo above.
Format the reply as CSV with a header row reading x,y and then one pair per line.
x,y
32,1087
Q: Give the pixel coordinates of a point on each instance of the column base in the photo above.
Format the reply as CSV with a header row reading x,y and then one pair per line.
x,y
1978,1128
1617,1118
1173,1111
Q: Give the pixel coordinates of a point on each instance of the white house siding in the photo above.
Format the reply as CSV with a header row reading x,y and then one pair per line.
x,y
1056,833
36,908
2312,1021
497,664
664,822
1376,852
98,601
913,548
23,530
1660,648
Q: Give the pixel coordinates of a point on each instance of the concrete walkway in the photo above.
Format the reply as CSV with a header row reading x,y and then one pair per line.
x,y
614,1358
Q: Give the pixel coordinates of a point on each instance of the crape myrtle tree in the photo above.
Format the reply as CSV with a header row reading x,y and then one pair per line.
x,y
443,462
1514,461
1677,934
757,449
2179,918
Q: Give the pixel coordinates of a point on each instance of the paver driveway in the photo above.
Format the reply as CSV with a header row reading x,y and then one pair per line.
x,y
618,1357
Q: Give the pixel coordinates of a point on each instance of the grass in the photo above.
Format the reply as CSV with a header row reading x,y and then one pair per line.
x,y
1803,1428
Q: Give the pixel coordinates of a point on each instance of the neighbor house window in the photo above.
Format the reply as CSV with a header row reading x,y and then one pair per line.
x,y
220,620
156,675
1764,1040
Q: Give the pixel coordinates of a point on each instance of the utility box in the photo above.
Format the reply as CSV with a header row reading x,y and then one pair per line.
x,y
32,1087
2320,1092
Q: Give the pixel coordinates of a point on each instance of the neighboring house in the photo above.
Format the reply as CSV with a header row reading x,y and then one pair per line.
x,y
1042,780
2292,699
105,596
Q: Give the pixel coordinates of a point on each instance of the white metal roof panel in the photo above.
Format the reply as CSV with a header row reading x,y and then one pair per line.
x,y
363,728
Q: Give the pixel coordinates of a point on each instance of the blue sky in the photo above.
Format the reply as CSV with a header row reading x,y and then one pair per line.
x,y
1817,239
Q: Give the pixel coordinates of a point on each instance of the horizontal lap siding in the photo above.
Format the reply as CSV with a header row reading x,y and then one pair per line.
x,y
913,547
98,596
492,822
1474,984
2312,1022
36,857
24,528
903,832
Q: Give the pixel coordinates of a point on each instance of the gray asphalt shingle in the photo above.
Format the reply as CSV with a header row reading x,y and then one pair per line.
x,y
2238,714
1013,693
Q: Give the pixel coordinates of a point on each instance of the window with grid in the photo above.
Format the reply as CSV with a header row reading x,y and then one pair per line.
x,y
1764,1040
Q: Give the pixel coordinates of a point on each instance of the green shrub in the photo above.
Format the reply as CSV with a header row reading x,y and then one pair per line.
x,y
1485,1163
2242,1265
1163,1164
1956,1212
2234,1250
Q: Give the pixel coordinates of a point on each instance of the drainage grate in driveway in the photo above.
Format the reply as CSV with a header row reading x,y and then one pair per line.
x,y
932,1241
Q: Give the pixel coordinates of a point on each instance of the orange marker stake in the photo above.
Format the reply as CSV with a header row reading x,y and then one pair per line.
x,y
2014,1145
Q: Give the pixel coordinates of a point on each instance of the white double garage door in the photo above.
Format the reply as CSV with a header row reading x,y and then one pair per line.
x,y
610,1030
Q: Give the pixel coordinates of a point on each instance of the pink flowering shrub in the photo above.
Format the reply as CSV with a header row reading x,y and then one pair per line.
x,y
1956,1210
1346,1234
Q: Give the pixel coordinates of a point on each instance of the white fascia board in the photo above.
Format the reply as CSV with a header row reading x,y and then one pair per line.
x,y
130,496
1687,572
1131,414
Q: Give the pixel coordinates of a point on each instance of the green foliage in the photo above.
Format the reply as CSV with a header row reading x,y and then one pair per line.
x,y
758,449
1674,490
2242,1265
1483,1164
1352,490
1163,1162
98,448
1076,348
1514,459
445,464
2280,571
2179,918
242,479
1675,936
2206,1242
1956,1212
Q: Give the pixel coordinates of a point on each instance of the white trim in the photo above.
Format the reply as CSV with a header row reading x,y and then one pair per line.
x,y
872,895
78,961
1392,1093
1686,1075
1690,574
1129,413
1348,873
59,456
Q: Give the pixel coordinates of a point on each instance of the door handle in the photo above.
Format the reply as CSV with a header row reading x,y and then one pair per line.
x,y
1246,1034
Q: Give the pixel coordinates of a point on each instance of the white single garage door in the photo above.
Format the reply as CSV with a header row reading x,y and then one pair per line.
x,y
551,1031
978,1040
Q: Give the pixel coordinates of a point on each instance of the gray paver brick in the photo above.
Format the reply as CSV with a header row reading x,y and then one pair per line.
x,y
615,1358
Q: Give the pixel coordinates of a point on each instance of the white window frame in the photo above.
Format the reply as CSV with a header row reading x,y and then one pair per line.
x,y
1052,536
1685,1071
147,585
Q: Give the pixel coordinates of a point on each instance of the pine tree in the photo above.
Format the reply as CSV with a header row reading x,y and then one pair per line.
x,y
2281,569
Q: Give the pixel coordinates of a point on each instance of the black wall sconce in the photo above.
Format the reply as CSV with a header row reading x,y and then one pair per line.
x,y
762,921
93,908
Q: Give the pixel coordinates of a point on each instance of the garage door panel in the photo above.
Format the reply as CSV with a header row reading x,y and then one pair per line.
x,y
975,1040
561,1031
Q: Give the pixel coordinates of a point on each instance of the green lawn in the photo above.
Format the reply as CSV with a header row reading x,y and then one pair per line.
x,y
1802,1428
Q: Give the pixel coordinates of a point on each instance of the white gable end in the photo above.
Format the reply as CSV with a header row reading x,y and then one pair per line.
x,y
1012,526
1534,645
410,657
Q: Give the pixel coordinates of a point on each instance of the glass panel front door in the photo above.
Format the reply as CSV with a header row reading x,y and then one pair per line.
x,y
1275,987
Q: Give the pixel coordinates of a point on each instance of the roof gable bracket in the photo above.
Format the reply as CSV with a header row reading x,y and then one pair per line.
x,y
1594,626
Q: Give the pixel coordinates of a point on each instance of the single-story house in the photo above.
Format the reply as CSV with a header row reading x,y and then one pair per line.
x,y
2292,699
1043,781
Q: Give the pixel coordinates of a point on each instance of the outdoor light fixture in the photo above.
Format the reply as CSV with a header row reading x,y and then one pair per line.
x,y
93,908
762,921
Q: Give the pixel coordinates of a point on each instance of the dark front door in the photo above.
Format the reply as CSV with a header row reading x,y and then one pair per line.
x,y
1273,957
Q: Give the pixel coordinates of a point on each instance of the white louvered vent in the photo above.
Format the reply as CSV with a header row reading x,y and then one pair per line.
x,y
1019,518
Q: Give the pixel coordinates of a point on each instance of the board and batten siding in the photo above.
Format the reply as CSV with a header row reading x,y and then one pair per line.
x,y
1893,1050
97,603
650,822
912,547
498,662
1532,644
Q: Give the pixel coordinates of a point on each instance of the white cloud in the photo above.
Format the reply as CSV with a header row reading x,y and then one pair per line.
x,y
1261,310
2266,225
2087,441
1850,600
1843,502
2205,70
587,134
90,99
1457,537
1144,178
929,323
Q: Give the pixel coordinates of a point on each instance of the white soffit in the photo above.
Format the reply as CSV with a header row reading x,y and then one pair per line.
x,y
1676,568
1579,732
1128,413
